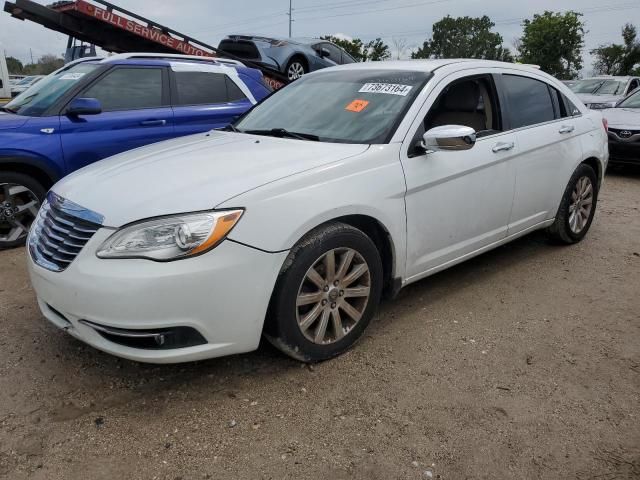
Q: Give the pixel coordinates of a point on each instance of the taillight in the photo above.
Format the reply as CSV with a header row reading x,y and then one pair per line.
x,y
605,124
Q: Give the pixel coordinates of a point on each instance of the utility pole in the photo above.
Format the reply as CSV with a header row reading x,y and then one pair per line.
x,y
290,16
31,53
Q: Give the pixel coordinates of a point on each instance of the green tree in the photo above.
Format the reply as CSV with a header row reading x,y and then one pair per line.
x,y
361,52
554,41
464,37
14,65
376,50
45,65
615,59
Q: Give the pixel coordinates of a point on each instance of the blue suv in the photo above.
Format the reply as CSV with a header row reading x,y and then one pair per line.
x,y
95,108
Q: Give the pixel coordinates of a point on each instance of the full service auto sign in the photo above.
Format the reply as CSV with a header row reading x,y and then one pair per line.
x,y
153,34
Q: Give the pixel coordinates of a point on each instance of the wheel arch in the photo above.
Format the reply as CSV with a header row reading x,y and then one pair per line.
x,y
381,237
297,56
34,168
594,163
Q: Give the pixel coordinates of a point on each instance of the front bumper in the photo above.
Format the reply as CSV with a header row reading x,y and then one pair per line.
x,y
222,294
621,152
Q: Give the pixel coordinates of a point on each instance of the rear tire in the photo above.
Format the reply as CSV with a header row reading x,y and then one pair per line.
x,y
20,199
326,294
577,207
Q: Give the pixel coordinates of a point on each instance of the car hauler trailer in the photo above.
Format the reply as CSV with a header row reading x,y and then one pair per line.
x,y
115,29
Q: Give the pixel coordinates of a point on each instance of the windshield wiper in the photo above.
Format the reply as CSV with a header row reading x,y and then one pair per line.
x,y
230,128
6,109
281,132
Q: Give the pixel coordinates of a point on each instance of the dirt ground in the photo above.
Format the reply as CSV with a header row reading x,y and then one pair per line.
x,y
523,363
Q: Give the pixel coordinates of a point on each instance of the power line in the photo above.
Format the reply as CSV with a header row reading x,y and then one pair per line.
x,y
398,7
599,9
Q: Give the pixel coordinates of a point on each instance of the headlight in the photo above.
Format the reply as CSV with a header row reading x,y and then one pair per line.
x,y
172,237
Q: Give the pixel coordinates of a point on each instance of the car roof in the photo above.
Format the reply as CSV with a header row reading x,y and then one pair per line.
x,y
432,65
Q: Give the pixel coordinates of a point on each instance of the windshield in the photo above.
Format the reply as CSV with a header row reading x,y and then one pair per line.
x,y
37,99
599,86
632,101
342,106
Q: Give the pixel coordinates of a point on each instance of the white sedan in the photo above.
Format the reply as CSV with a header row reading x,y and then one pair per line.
x,y
350,182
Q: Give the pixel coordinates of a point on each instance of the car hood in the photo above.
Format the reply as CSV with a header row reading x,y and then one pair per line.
x,y
192,173
11,120
627,118
587,98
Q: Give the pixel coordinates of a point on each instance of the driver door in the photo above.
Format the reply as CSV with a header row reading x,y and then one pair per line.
x,y
458,202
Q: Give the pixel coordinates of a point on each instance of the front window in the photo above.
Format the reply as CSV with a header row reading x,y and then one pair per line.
x,y
356,106
37,100
632,101
599,86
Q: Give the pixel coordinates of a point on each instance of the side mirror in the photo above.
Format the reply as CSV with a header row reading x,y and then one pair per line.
x,y
448,137
84,106
324,52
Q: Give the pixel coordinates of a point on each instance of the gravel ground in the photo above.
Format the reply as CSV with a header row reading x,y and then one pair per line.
x,y
523,363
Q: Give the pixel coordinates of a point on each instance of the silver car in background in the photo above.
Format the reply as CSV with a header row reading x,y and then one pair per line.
x,y
606,91
292,57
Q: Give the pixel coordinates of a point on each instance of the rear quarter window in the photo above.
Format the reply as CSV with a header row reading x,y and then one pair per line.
x,y
205,88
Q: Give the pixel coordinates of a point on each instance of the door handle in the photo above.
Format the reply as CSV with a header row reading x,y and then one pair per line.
x,y
153,123
503,147
566,129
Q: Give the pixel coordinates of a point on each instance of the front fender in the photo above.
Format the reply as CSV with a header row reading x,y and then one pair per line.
x,y
372,184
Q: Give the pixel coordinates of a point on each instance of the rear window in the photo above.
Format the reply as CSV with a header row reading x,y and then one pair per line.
x,y
205,88
529,101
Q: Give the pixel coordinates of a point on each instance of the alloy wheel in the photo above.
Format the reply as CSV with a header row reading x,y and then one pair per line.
x,y
18,209
295,71
333,296
581,204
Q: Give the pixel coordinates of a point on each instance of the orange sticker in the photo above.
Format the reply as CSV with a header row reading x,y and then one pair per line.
x,y
357,106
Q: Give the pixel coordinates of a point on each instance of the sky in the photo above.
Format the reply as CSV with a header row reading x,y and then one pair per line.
x,y
403,21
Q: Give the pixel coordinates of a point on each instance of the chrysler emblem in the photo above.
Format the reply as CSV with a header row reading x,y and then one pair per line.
x,y
625,134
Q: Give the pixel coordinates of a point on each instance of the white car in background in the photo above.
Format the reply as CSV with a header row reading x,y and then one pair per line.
x,y
24,84
604,92
351,181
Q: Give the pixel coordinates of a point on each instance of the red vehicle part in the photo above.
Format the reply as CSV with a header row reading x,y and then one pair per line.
x,y
118,30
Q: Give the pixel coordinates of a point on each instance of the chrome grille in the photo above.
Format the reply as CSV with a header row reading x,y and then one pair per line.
x,y
60,231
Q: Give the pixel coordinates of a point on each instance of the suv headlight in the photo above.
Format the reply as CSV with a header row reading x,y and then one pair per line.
x,y
172,237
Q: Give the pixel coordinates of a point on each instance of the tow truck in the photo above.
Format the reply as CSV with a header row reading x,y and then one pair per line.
x,y
117,30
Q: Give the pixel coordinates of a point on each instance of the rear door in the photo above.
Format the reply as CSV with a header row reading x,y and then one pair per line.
x,y
205,97
548,139
135,112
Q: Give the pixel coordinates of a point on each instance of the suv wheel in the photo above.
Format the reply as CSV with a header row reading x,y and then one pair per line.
x,y
20,199
327,292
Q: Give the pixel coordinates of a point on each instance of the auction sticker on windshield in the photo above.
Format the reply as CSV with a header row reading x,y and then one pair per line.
x,y
72,76
388,88
357,106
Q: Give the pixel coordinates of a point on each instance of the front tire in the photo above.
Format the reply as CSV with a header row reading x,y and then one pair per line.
x,y
296,68
577,207
326,294
20,199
